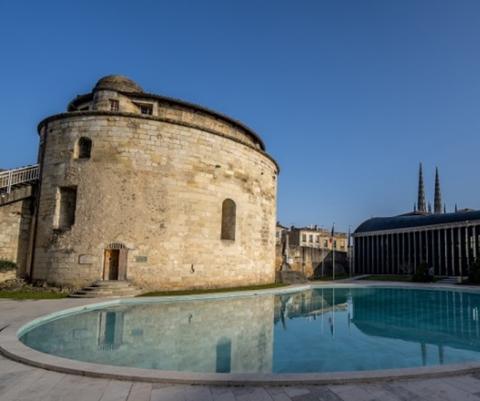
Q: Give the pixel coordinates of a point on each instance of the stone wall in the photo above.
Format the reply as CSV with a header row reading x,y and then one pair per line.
x,y
157,188
312,262
15,219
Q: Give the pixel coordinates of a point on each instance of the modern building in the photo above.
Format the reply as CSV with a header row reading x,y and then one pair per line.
x,y
446,242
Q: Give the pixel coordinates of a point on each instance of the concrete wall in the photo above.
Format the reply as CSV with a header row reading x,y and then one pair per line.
x,y
156,185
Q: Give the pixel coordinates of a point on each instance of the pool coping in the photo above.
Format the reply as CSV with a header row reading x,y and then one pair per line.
x,y
12,348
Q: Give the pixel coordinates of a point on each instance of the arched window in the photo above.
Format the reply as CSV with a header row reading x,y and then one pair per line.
x,y
229,210
83,148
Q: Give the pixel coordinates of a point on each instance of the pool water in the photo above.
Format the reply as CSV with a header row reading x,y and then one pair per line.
x,y
319,330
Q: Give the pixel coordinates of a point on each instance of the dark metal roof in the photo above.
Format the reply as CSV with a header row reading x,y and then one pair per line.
x,y
415,220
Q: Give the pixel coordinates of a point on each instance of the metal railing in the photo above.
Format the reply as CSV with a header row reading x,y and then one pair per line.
x,y
18,176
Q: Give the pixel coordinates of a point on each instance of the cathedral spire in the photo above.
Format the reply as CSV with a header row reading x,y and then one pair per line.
x,y
422,207
437,204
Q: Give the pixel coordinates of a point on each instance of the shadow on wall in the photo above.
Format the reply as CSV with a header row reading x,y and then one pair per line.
x,y
312,262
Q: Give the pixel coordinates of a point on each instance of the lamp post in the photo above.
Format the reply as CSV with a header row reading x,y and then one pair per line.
x,y
333,249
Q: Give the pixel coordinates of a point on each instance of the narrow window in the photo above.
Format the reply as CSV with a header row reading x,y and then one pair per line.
x,y
325,244
65,207
114,105
310,238
146,109
229,210
304,237
83,148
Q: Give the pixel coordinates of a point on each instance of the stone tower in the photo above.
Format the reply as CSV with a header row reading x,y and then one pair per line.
x,y
421,203
154,190
437,204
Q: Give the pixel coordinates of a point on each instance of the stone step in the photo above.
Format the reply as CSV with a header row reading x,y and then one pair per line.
x,y
111,283
449,280
107,289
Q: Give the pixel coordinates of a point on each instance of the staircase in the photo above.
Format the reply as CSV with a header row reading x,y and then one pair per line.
x,y
107,289
16,184
11,179
291,277
449,280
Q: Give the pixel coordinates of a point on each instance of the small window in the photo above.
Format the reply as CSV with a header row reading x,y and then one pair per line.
x,y
114,105
83,148
317,240
146,109
304,237
310,238
65,208
229,210
325,244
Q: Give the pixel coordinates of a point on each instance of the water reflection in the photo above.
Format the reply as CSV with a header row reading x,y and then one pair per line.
x,y
310,331
110,330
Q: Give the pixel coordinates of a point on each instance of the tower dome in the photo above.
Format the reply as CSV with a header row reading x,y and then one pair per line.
x,y
117,83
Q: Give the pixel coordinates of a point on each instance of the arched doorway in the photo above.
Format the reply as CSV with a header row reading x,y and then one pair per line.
x,y
115,262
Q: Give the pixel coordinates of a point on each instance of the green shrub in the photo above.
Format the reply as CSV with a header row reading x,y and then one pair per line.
x,y
6,265
474,272
422,274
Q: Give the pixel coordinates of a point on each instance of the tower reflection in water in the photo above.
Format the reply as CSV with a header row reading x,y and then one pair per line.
x,y
321,330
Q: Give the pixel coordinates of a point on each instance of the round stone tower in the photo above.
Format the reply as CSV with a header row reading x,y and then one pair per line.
x,y
154,190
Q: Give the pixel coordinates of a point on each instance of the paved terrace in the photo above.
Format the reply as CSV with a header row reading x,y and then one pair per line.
x,y
20,382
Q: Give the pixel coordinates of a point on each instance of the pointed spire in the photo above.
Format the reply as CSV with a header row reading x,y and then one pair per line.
x,y
456,208
437,204
444,208
429,207
422,207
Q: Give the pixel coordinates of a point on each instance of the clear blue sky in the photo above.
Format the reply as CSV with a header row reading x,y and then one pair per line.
x,y
348,95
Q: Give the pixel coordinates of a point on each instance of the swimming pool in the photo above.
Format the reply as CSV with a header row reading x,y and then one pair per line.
x,y
317,330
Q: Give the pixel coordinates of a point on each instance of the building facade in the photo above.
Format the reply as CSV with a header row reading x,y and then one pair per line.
x,y
319,238
446,242
309,250
154,190
397,245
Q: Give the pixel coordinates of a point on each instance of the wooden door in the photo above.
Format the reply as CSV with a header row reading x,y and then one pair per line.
x,y
111,264
122,264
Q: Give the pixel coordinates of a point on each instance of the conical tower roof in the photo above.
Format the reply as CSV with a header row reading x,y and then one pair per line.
x,y
421,204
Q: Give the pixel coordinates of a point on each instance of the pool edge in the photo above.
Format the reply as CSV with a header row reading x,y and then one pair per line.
x,y
12,348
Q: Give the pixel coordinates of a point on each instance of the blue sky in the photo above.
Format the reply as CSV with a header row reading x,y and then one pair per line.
x,y
348,95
